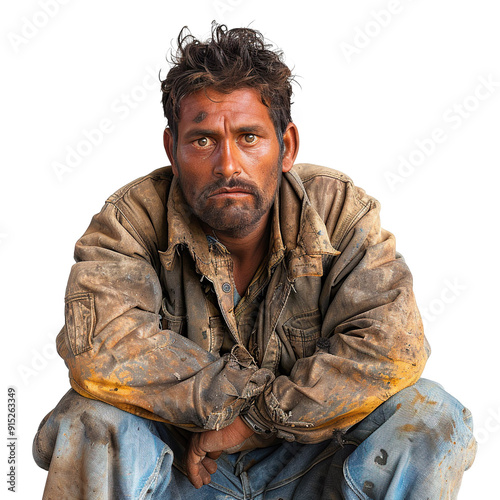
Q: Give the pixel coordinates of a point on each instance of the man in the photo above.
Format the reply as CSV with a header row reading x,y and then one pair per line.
x,y
238,326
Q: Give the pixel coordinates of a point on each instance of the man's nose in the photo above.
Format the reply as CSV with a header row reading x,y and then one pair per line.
x,y
227,164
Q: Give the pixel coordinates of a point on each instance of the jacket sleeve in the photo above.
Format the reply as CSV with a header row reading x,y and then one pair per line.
x,y
372,343
117,352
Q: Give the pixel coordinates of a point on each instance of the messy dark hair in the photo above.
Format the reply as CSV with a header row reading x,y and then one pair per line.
x,y
229,60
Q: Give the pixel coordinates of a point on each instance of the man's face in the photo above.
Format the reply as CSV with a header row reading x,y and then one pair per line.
x,y
227,159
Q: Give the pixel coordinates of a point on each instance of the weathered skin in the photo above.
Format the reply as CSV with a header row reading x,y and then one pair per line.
x,y
336,333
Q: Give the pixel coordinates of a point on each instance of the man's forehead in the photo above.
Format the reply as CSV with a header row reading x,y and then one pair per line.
x,y
197,107
200,116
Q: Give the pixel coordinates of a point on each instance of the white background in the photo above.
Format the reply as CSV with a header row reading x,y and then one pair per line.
x,y
363,102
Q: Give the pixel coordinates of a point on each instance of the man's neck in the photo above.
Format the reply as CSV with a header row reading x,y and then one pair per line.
x,y
247,252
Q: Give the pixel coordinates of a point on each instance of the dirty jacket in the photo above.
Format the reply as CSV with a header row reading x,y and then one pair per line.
x,y
152,327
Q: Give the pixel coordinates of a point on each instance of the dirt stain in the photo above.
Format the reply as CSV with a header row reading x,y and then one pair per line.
x,y
382,459
368,488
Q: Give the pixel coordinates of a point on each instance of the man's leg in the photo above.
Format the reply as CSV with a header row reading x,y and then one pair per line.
x,y
92,450
95,451
414,446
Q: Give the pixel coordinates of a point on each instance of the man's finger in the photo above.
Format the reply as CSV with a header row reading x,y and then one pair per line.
x,y
194,473
198,475
204,474
209,464
193,466
195,478
214,455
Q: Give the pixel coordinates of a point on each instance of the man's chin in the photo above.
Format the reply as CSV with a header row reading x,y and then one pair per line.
x,y
234,224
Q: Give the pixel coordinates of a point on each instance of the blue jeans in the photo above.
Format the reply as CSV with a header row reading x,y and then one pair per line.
x,y
414,446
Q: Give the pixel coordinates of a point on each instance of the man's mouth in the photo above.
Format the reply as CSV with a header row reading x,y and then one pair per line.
x,y
233,192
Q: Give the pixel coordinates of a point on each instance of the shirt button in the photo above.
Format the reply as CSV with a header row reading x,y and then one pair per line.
x,y
226,287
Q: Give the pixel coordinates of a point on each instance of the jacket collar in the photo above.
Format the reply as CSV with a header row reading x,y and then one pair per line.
x,y
184,231
303,231
298,232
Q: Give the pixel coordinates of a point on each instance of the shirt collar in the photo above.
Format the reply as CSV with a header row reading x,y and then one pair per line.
x,y
297,231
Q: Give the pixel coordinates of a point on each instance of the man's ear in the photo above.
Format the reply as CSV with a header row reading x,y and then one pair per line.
x,y
168,143
291,144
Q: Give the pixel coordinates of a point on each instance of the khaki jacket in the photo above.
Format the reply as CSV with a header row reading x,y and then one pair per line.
x,y
325,333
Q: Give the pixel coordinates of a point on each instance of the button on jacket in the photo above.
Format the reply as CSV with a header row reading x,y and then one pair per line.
x,y
327,330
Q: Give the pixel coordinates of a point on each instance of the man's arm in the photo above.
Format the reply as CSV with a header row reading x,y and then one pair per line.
x,y
372,343
115,349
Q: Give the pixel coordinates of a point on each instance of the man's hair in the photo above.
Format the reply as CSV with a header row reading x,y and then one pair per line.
x,y
229,60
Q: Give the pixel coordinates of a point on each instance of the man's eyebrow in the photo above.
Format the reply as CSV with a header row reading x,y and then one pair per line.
x,y
246,129
200,132
251,129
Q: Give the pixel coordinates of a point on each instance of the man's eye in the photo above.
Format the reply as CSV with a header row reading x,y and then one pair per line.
x,y
203,142
250,138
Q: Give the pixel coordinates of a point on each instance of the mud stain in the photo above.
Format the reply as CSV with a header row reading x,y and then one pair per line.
x,y
95,432
368,488
382,459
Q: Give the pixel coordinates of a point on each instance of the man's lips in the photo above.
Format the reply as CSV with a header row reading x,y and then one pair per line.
x,y
231,192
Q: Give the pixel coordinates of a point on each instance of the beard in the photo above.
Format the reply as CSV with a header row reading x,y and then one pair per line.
x,y
234,217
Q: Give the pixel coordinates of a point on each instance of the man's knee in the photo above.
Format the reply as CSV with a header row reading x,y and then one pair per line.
x,y
432,412
429,400
415,444
76,418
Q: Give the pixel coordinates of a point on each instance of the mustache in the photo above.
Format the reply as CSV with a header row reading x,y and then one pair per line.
x,y
232,183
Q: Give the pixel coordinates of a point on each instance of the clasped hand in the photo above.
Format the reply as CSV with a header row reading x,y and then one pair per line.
x,y
205,447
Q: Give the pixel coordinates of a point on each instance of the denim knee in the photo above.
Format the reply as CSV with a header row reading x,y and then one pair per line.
x,y
442,417
427,404
415,445
79,417
93,450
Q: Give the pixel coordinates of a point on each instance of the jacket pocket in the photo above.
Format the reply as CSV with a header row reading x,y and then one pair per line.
x,y
171,322
303,331
79,311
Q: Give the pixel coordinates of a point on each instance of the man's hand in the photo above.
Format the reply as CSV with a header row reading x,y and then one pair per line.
x,y
205,447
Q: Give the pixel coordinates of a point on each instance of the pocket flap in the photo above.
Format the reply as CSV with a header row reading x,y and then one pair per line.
x,y
80,321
